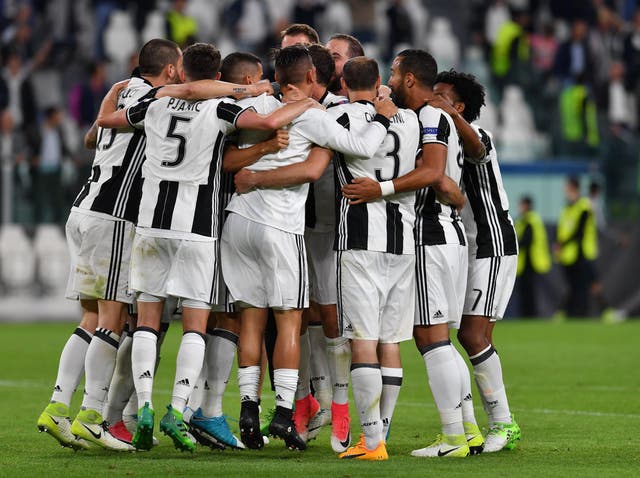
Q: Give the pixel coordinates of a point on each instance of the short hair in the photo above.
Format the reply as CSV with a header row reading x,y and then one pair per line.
x,y
574,181
292,64
156,54
323,61
527,201
355,47
301,29
421,64
234,64
201,61
470,92
594,187
360,73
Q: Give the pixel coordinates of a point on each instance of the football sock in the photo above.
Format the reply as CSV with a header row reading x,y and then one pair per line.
x,y
143,361
391,383
468,414
339,357
248,380
366,380
286,380
121,386
71,366
304,378
487,370
444,380
188,366
320,372
99,364
221,352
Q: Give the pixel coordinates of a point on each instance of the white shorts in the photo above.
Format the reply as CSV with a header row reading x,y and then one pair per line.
x,y
224,303
264,266
322,266
441,279
181,268
100,251
489,286
376,295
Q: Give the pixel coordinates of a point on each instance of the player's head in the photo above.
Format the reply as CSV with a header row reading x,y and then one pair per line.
x,y
298,33
411,72
361,74
323,61
162,59
342,48
242,68
461,90
525,205
294,66
201,61
572,188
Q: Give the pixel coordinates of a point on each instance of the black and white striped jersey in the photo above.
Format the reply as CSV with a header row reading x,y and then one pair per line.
x,y
181,176
386,224
438,223
114,186
320,214
486,218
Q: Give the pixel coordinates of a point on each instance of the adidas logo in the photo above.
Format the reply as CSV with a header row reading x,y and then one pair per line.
x,y
105,389
245,398
459,405
492,404
438,315
385,421
348,328
184,381
146,374
57,388
468,397
279,397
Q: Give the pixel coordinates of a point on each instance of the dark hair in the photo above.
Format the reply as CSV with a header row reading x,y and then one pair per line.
x,y
360,73
421,64
201,61
156,54
355,47
470,92
301,29
527,201
235,65
323,61
574,181
50,111
292,64
594,187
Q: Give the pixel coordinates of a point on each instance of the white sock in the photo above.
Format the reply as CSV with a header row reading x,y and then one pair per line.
x,y
201,388
248,381
98,368
143,361
487,370
468,414
188,366
121,386
444,380
320,372
221,352
366,380
132,405
304,371
391,383
339,357
71,366
285,380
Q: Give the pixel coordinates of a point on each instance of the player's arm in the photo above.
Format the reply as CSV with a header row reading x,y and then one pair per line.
x,y
207,89
91,137
449,192
306,171
249,119
109,105
237,158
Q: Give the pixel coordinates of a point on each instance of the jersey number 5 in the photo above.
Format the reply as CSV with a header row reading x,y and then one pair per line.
x,y
394,154
181,140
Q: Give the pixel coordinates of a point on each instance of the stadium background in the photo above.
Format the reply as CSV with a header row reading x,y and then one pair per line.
x,y
59,57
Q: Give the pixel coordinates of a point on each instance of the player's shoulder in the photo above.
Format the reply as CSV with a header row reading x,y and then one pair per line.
x,y
428,114
263,103
136,90
331,100
408,114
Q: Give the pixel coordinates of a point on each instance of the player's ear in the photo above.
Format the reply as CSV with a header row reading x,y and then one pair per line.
x,y
311,75
409,80
343,84
459,106
378,83
218,75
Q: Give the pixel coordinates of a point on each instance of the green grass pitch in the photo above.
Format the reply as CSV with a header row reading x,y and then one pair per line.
x,y
574,388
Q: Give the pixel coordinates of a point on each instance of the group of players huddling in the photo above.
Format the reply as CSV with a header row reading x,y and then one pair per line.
x,y
356,222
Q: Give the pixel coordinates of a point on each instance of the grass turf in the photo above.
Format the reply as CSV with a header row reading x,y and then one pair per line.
x,y
572,386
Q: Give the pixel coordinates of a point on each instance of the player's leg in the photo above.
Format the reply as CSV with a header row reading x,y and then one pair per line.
x,y
320,372
306,405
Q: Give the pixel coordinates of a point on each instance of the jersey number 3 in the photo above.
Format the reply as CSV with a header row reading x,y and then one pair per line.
x,y
181,140
393,154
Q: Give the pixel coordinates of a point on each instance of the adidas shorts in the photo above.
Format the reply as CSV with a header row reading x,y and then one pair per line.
x,y
100,251
322,266
181,268
376,295
224,303
489,286
264,266
441,279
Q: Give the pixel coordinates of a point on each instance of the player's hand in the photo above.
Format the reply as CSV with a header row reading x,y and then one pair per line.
x,y
384,91
263,86
438,101
280,140
385,107
362,190
115,90
244,180
295,94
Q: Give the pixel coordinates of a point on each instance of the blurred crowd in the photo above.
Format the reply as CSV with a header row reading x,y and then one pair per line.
x,y
562,74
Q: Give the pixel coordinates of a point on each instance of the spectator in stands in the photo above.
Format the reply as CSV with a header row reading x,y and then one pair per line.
x,y
181,28
534,259
511,51
606,44
21,99
249,24
400,28
544,45
574,57
579,121
85,97
308,11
